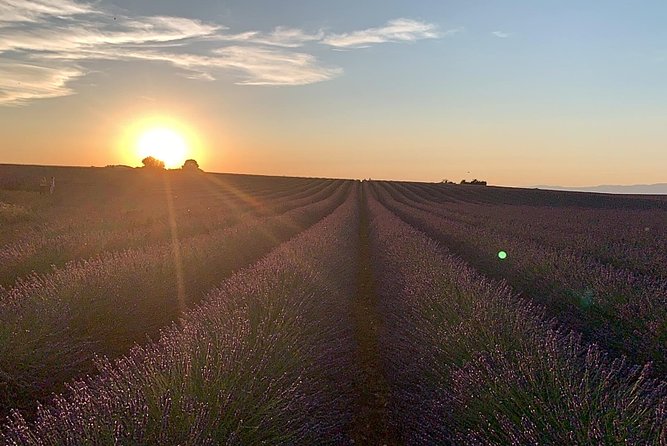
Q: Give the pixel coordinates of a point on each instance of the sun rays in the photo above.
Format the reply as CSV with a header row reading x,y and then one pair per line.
x,y
164,144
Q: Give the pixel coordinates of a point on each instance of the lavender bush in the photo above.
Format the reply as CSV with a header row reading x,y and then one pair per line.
x,y
265,360
51,326
78,237
471,363
623,311
634,239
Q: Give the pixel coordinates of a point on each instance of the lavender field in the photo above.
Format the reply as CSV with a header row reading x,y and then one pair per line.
x,y
180,308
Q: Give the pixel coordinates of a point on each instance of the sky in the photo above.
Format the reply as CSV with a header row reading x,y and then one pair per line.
x,y
517,93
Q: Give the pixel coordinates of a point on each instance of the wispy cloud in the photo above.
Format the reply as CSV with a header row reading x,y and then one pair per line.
x,y
46,44
280,36
50,40
21,82
254,65
34,10
264,66
88,36
501,34
399,30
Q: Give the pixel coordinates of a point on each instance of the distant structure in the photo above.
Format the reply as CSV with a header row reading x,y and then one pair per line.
x,y
43,185
191,166
476,182
47,186
153,163
446,181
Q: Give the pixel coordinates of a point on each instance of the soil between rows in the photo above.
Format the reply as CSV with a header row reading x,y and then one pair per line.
x,y
371,425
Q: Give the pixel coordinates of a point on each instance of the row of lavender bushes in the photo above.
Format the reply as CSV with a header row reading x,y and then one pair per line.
x,y
499,195
266,359
101,204
52,326
623,311
84,238
626,238
470,363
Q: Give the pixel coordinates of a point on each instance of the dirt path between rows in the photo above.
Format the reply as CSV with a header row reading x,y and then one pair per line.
x,y
371,424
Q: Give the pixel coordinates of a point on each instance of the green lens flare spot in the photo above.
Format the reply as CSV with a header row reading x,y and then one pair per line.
x,y
502,255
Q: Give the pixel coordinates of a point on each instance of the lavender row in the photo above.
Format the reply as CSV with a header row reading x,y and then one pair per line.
x,y
622,311
470,363
631,239
150,226
66,228
91,201
52,326
266,360
613,240
43,251
539,197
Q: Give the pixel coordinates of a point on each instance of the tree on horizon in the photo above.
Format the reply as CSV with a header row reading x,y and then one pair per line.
x,y
191,165
153,163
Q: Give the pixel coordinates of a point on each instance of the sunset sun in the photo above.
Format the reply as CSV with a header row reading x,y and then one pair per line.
x,y
164,144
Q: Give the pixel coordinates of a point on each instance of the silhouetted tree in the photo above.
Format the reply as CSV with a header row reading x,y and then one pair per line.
x,y
191,166
153,163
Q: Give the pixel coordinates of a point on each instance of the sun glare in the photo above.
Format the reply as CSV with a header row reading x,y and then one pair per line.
x,y
164,144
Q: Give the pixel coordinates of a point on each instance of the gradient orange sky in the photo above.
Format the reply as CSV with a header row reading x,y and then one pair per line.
x,y
516,94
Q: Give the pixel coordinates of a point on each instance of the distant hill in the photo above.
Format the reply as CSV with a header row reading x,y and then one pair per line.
x,y
653,189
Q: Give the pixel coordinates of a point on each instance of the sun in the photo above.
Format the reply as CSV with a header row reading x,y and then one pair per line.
x,y
164,144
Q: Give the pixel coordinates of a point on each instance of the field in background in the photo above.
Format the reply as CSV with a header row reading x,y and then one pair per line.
x,y
151,307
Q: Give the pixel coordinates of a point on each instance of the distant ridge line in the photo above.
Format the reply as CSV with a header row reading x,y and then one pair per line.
x,y
644,189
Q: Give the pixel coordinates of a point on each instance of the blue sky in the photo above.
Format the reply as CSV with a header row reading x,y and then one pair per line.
x,y
515,92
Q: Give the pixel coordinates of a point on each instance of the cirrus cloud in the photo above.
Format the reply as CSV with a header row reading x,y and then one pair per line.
x,y
399,30
21,82
47,44
501,34
280,36
263,66
34,10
